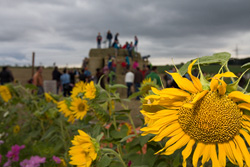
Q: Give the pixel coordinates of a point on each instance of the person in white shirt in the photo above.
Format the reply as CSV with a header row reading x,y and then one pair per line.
x,y
129,80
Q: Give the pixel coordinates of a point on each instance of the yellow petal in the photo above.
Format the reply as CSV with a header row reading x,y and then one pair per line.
x,y
222,88
183,83
245,106
197,153
229,153
246,136
239,96
165,132
236,154
180,143
242,146
222,155
196,98
214,84
206,154
172,91
171,141
214,157
187,151
195,80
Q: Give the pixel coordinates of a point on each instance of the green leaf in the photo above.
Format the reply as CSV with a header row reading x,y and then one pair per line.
x,y
117,86
127,137
105,161
220,58
119,134
99,137
145,139
247,65
123,111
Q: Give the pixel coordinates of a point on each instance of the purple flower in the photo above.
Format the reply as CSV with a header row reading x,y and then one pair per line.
x,y
56,159
13,154
0,158
1,142
34,161
8,163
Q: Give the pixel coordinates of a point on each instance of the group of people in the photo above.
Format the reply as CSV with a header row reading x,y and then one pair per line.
x,y
116,43
65,80
135,77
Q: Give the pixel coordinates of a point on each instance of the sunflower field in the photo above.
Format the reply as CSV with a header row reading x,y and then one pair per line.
x,y
204,121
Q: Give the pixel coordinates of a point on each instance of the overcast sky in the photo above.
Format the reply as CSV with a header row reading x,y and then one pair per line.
x,y
63,31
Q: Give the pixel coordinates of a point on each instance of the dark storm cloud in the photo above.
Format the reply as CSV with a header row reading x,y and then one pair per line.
x,y
179,29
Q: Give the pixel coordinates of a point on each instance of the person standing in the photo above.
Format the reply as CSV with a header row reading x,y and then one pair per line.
x,y
136,43
127,61
109,38
116,38
6,75
38,80
129,80
65,80
56,76
154,76
138,80
99,40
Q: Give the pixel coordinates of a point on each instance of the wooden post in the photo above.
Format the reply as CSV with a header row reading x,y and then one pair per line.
x,y
33,64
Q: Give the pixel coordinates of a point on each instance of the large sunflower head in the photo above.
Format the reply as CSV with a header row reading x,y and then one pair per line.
x,y
79,108
209,119
84,150
5,93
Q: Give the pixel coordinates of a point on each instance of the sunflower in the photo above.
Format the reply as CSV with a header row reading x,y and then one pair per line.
x,y
49,98
16,129
147,84
90,90
79,108
208,119
63,107
80,87
84,150
5,93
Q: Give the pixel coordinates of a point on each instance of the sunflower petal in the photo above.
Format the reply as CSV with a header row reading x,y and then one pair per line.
x,y
214,157
180,143
197,153
222,155
206,154
171,141
229,153
195,80
197,98
168,130
246,136
222,88
242,146
239,96
187,151
237,156
183,83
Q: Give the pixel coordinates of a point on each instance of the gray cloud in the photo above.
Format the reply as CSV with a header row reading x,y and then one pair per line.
x,y
58,29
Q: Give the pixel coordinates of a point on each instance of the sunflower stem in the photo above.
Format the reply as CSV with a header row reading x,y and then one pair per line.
x,y
107,150
227,69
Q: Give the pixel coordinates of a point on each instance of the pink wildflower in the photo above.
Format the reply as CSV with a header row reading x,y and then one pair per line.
x,y
57,159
